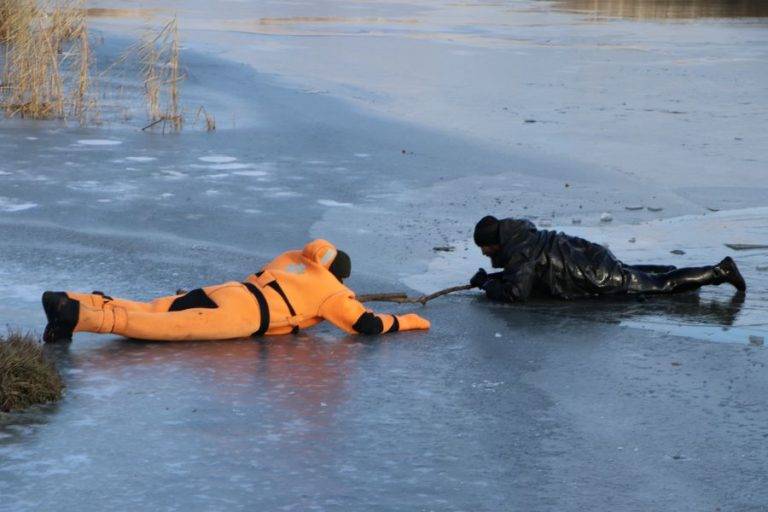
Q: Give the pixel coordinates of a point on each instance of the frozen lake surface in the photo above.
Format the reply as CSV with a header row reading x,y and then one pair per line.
x,y
390,129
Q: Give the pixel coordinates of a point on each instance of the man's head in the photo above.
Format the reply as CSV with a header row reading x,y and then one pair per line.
x,y
341,267
488,239
487,235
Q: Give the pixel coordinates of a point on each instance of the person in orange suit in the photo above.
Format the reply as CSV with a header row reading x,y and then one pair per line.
x,y
296,290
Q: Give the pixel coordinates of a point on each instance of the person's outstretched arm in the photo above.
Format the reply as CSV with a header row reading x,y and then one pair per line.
x,y
511,285
348,314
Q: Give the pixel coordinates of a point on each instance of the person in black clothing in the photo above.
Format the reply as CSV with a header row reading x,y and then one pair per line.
x,y
568,267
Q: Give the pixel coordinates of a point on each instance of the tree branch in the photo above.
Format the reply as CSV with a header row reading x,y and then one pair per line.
x,y
402,298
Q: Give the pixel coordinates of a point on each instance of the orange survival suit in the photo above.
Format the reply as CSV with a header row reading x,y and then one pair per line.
x,y
294,291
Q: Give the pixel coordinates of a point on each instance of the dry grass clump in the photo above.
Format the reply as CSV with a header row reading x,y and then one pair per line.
x,y
27,377
47,59
47,66
159,56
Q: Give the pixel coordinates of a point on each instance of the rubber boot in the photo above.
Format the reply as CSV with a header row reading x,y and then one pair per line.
x,y
687,279
684,279
62,313
728,272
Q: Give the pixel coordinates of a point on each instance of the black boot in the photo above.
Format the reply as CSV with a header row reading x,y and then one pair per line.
x,y
62,313
683,279
728,272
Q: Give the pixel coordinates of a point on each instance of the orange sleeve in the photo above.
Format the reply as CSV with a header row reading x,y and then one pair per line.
x,y
348,314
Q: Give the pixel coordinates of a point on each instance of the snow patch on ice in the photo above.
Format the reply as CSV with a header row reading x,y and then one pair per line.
x,y
8,204
99,142
98,186
230,166
217,159
284,194
331,202
251,173
173,175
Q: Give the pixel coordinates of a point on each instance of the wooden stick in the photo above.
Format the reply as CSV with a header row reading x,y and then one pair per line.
x,y
402,298
383,297
398,297
426,298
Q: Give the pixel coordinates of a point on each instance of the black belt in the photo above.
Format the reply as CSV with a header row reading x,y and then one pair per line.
x,y
263,308
276,286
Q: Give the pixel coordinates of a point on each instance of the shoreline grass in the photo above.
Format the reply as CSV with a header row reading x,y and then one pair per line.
x,y
27,376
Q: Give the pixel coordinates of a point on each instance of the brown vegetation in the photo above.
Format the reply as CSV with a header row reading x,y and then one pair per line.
x,y
159,57
47,66
27,377
104,12
46,61
668,9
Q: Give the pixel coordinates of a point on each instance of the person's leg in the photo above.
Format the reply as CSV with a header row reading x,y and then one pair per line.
x,y
62,316
97,301
236,315
652,269
681,280
685,279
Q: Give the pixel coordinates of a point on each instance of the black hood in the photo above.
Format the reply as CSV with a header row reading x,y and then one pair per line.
x,y
341,266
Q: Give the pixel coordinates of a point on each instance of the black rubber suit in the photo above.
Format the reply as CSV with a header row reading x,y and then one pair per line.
x,y
569,267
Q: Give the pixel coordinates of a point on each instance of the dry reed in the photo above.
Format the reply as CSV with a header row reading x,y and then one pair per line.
x,y
48,64
27,376
159,55
46,59
210,119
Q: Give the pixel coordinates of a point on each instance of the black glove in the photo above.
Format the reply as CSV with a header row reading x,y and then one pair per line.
x,y
494,290
478,280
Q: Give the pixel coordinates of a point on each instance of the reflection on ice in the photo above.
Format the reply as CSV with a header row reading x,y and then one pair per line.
x,y
668,9
689,314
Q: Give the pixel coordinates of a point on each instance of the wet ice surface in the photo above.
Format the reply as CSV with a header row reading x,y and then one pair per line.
x,y
551,406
